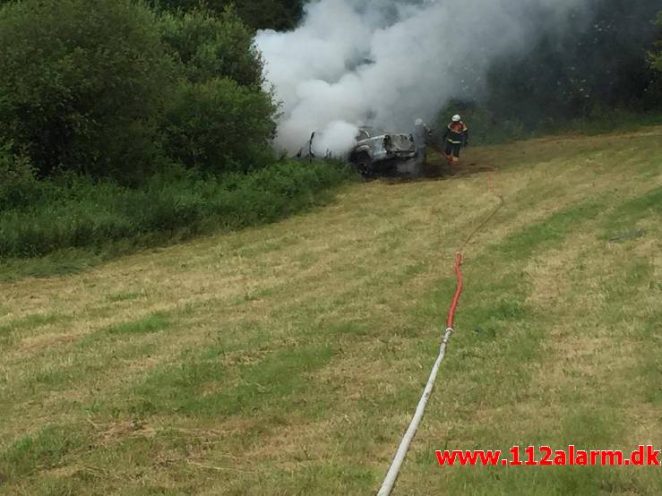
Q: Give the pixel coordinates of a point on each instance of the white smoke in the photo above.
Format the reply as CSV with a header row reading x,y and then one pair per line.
x,y
385,63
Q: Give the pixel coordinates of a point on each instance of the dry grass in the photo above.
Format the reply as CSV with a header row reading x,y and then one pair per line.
x,y
287,359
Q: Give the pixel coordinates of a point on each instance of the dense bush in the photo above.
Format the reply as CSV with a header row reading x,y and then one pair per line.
x,y
83,84
258,14
18,185
81,213
106,88
213,46
656,56
219,126
220,119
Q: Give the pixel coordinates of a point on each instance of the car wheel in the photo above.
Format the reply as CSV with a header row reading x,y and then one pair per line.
x,y
363,164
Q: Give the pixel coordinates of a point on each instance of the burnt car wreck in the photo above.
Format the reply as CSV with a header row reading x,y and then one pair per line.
x,y
385,154
379,154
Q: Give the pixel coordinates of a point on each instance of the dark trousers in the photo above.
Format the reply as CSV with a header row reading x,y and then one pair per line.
x,y
453,149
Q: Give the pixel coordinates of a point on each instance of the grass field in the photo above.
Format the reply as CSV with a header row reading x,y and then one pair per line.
x,y
288,359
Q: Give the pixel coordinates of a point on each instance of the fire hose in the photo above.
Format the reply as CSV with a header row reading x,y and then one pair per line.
x,y
398,460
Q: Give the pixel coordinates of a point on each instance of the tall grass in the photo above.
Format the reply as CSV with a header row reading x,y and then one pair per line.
x,y
76,212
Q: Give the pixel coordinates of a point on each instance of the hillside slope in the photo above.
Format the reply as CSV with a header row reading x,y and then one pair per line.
x,y
288,359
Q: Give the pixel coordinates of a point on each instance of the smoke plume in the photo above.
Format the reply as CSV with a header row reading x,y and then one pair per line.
x,y
385,63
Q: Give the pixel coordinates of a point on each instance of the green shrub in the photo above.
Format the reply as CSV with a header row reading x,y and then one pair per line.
x,y
220,119
656,57
213,47
18,185
259,14
83,85
81,213
220,126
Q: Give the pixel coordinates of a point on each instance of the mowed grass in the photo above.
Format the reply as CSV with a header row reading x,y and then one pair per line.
x,y
288,359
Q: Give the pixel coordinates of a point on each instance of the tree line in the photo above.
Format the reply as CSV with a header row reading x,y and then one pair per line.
x,y
259,14
112,88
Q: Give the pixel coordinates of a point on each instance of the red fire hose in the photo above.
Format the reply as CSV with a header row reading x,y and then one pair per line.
x,y
394,470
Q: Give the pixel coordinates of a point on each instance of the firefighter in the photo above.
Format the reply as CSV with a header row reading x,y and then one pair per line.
x,y
421,135
456,137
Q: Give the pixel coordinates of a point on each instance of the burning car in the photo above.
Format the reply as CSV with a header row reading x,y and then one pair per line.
x,y
384,154
377,153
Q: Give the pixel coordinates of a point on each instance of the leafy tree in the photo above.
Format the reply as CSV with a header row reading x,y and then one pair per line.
x,y
83,85
275,14
656,57
213,46
257,14
220,119
220,126
17,181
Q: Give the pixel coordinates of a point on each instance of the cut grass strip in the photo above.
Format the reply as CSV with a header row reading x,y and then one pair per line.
x,y
199,386
155,322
